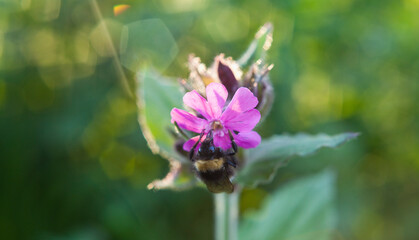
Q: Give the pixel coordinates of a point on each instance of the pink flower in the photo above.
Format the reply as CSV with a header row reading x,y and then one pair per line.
x,y
240,117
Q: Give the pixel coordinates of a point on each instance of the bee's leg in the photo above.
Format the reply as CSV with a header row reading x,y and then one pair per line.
x,y
181,132
229,165
209,135
191,153
233,144
231,160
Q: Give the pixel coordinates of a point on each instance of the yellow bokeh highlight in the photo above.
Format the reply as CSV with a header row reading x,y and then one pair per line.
x,y
118,161
44,48
179,6
320,98
25,4
227,24
82,51
99,37
312,96
111,121
44,10
411,4
1,43
47,50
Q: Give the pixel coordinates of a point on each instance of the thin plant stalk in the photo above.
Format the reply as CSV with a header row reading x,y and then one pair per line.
x,y
108,40
226,215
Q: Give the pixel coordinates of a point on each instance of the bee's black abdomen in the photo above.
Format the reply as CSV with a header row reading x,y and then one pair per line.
x,y
211,175
218,181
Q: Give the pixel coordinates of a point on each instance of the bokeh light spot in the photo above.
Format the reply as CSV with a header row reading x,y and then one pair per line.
x,y
118,161
178,6
227,24
107,32
148,41
44,10
43,48
1,44
312,95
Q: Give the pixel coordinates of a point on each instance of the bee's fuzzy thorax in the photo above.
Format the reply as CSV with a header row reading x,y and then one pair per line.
x,y
209,165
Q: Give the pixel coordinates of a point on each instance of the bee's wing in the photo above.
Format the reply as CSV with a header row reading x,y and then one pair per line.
x,y
222,185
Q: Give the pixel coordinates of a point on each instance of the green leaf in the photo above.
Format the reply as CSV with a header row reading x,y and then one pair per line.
x,y
273,153
301,210
157,95
258,47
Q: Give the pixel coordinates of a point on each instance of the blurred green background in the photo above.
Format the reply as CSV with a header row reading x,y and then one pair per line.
x,y
74,164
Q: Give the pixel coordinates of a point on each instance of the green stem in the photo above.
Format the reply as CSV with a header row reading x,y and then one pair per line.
x,y
226,215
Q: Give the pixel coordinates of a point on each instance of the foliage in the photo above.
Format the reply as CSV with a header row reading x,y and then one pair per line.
x,y
66,122
303,210
275,152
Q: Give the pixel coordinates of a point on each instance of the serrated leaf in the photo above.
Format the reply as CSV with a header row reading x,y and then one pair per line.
x,y
157,95
258,47
301,210
263,161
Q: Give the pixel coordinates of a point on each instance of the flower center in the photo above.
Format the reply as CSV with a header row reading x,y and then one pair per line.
x,y
216,125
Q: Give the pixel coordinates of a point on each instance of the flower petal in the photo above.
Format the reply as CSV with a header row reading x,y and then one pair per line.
x,y
187,146
198,103
222,140
243,122
217,95
188,121
243,101
247,139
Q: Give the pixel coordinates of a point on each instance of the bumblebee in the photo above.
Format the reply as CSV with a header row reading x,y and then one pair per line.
x,y
213,165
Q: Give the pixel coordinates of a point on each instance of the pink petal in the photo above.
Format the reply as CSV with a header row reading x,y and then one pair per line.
x,y
187,146
217,95
243,122
198,103
222,140
247,139
243,100
188,121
